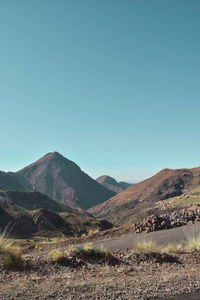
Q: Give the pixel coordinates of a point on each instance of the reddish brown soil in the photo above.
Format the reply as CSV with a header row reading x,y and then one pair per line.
x,y
165,184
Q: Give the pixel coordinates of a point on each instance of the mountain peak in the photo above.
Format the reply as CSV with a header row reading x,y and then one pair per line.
x,y
62,180
53,154
111,184
107,179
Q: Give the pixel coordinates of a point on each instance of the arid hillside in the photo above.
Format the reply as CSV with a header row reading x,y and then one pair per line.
x,y
27,214
138,198
111,184
63,181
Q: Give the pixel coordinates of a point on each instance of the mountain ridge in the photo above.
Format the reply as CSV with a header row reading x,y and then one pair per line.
x,y
13,181
165,184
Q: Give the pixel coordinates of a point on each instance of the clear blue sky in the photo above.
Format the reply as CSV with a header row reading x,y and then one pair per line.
x,y
113,85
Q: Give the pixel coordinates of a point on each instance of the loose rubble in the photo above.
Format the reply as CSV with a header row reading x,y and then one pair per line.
x,y
168,220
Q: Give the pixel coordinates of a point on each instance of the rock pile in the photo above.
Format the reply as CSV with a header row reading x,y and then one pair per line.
x,y
168,220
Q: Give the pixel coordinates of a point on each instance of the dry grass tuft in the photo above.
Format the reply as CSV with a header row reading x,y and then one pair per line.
x,y
93,231
56,255
173,248
10,255
89,251
192,239
76,256
151,251
146,247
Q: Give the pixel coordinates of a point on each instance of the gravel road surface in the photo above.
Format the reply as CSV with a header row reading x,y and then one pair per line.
x,y
161,237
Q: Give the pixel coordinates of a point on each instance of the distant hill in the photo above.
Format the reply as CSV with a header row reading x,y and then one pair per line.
x,y
111,184
136,200
124,184
25,214
63,181
21,226
20,201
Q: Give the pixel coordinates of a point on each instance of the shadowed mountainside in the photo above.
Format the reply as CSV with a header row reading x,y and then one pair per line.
x,y
63,181
124,184
20,201
25,214
111,184
135,199
12,181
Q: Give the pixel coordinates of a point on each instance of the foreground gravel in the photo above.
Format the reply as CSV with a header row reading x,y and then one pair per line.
x,y
133,276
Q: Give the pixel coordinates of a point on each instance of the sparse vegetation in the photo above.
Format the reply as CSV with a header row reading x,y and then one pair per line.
x,y
56,255
160,254
149,247
79,253
192,239
192,243
173,248
93,231
89,251
184,200
146,247
10,255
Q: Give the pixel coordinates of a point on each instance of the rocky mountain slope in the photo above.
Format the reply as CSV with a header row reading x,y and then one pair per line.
x,y
111,184
136,200
63,181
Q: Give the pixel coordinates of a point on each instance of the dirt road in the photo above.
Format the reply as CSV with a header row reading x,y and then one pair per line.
x,y
161,237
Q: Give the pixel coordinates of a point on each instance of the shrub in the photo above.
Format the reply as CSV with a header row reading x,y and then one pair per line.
x,y
89,251
56,255
93,231
12,259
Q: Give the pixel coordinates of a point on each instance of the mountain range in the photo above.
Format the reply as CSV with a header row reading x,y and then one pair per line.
x,y
56,183
48,197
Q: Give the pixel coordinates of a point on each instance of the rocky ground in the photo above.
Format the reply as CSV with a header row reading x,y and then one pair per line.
x,y
129,276
168,220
